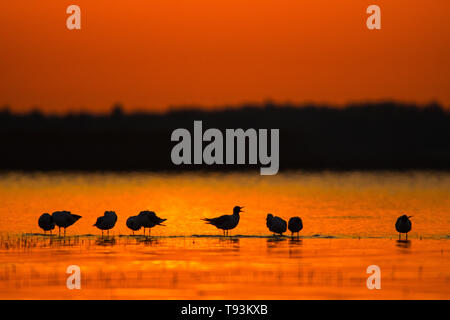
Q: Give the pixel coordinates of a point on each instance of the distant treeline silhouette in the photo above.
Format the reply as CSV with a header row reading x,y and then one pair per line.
x,y
365,136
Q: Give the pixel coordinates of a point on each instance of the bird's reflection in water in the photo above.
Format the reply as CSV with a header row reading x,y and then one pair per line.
x,y
294,247
63,241
275,241
44,235
403,244
295,242
148,241
105,241
230,241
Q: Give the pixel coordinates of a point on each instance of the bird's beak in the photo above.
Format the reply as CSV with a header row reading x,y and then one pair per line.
x,y
410,216
240,209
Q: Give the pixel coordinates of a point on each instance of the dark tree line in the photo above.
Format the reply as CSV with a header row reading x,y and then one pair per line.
x,y
364,136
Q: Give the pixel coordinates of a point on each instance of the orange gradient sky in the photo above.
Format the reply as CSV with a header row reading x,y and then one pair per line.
x,y
152,54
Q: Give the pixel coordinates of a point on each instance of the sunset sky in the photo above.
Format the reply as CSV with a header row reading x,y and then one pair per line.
x,y
153,54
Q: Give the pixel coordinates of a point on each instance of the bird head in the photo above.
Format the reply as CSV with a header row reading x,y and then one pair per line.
x,y
269,217
405,217
237,209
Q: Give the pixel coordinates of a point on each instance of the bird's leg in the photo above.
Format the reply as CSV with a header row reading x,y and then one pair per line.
x,y
406,236
64,232
59,228
108,233
149,231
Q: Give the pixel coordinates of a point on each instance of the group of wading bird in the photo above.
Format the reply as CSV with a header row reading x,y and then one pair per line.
x,y
149,219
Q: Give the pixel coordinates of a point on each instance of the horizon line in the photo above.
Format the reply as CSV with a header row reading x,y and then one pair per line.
x,y
119,108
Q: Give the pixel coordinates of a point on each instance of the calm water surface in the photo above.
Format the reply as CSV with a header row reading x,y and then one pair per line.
x,y
348,225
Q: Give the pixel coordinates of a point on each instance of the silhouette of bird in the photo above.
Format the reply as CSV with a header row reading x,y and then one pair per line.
x,y
64,219
149,219
403,225
226,222
46,223
133,223
107,222
295,224
276,224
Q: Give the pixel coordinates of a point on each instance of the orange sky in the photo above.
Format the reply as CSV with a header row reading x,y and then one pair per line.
x,y
152,54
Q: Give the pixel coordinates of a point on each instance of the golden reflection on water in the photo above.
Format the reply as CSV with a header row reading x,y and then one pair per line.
x,y
348,225
34,267
350,204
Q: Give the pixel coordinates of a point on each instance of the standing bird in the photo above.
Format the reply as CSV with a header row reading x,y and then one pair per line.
x,y
276,224
226,222
403,225
107,222
149,219
295,224
133,223
46,223
64,219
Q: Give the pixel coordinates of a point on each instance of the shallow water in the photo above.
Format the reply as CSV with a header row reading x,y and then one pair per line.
x,y
348,225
